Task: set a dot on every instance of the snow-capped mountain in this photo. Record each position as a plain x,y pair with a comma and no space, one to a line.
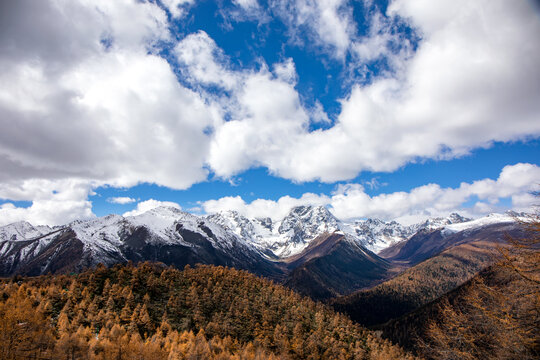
377,235
440,222
293,233
494,218
175,237
487,232
286,237
22,230
162,234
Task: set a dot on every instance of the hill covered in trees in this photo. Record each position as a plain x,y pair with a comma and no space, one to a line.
151,311
418,285
492,316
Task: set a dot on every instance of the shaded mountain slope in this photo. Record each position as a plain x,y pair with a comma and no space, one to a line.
425,243
333,265
494,315
418,285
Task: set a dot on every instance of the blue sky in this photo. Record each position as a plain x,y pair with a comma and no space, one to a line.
391,109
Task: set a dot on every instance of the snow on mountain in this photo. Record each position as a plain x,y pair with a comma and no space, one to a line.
116,238
377,235
22,230
161,234
439,222
494,218
292,234
286,237
254,230
108,234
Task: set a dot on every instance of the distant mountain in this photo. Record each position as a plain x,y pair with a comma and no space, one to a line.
292,234
334,264
163,234
22,230
431,239
377,235
286,237
440,222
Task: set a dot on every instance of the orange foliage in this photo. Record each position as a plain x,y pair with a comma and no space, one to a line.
154,312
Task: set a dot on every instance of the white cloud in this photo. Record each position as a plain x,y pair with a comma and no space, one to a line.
328,22
263,128
112,112
514,182
286,71
177,8
150,204
53,202
470,83
247,4
350,201
122,200
264,107
84,95
204,61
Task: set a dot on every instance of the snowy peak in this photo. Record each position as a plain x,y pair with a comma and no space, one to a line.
22,230
440,222
236,222
494,218
308,222
162,234
161,225
285,237
376,234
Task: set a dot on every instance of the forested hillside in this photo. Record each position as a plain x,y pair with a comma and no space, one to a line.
418,285
492,316
154,312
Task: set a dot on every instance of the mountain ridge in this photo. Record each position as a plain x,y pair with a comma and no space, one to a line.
313,244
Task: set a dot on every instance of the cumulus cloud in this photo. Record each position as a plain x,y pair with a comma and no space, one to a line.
52,202
469,83
122,200
204,62
264,107
327,22
109,109
350,201
150,204
177,8
84,95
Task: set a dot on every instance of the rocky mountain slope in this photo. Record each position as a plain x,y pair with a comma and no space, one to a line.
286,237
292,234
332,265
163,234
431,240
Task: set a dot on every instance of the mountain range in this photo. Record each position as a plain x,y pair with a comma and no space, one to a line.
310,250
